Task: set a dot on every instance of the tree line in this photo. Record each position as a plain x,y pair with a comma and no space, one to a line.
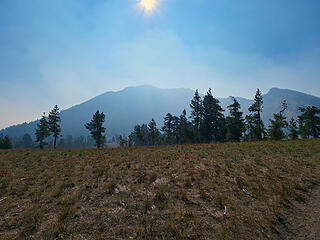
206,124
66,141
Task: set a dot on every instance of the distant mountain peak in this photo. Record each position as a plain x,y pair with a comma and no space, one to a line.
275,90
144,86
139,104
151,87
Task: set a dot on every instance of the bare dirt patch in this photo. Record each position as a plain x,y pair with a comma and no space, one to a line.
302,220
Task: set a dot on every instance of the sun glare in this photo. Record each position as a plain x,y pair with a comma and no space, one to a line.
148,5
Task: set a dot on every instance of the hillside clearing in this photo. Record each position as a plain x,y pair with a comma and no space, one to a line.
204,191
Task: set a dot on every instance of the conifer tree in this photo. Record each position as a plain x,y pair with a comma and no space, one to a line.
309,122
278,123
294,133
221,130
303,128
42,131
5,142
54,120
27,141
168,128
175,129
144,132
130,140
255,122
249,128
153,132
185,129
138,136
96,129
196,114
234,122
213,123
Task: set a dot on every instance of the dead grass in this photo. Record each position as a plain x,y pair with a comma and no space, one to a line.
209,191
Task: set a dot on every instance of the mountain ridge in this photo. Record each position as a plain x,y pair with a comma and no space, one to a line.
138,104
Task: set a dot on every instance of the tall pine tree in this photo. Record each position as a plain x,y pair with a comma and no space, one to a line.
168,128
196,114
96,129
213,123
175,129
254,118
309,122
234,122
138,136
54,126
185,129
42,131
278,123
153,133
293,128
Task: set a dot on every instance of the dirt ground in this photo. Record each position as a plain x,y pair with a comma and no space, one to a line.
224,191
302,221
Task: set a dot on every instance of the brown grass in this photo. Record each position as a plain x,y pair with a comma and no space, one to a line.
155,192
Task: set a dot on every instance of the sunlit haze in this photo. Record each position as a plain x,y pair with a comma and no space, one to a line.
148,5
66,52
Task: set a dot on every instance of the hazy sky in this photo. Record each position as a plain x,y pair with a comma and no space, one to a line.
67,51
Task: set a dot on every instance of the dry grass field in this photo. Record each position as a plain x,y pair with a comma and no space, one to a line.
207,191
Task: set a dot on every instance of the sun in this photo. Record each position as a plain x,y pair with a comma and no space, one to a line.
148,5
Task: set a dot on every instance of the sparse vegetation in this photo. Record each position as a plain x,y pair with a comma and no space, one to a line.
208,191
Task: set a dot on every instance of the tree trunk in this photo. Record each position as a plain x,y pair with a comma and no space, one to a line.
260,130
54,143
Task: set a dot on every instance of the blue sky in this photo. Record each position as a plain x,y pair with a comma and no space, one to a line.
67,51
